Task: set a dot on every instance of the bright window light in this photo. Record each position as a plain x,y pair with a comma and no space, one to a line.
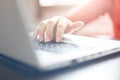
62,2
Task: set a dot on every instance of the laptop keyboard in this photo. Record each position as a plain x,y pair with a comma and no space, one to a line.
55,47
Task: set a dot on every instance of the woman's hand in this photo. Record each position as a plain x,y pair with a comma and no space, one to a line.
56,26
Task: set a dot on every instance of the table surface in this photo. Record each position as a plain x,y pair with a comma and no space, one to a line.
107,68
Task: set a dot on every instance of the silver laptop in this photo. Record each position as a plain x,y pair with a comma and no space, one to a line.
16,43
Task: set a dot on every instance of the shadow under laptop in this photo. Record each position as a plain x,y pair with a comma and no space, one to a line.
12,68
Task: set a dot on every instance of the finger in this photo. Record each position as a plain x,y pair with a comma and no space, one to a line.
51,25
35,33
49,30
61,26
76,26
42,31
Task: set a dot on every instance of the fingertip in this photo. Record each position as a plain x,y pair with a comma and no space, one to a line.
78,23
58,39
48,38
82,23
41,39
76,26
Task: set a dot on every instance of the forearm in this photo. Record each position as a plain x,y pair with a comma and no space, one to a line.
91,11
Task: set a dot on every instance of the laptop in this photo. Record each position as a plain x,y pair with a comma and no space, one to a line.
16,43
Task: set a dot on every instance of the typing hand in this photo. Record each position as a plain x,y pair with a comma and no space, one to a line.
56,26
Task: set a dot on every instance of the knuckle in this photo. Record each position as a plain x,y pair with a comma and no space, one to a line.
56,17
50,22
42,26
60,25
42,23
50,25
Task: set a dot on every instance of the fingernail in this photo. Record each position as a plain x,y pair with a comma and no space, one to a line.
41,40
47,39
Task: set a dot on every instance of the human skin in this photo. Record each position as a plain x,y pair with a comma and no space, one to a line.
72,20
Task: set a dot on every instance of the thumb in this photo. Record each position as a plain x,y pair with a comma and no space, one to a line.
76,26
